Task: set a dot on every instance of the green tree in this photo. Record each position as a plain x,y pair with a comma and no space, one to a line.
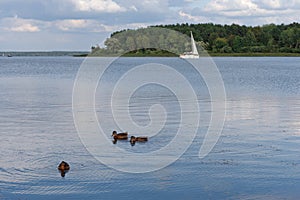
286,37
142,41
130,44
172,41
113,45
250,39
237,44
212,37
290,38
271,46
220,43
161,42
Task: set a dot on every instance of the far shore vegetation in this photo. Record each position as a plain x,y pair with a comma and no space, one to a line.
215,39
43,53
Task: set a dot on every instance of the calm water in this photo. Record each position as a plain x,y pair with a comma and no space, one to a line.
256,157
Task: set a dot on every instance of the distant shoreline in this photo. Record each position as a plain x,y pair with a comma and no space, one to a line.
42,53
84,54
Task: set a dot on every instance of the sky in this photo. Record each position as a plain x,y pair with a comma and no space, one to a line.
76,25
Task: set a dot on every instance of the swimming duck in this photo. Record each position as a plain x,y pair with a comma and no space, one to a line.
63,168
119,136
138,139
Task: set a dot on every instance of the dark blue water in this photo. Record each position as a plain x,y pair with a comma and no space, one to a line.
256,157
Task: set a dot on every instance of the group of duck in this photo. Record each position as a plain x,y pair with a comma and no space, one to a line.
64,167
124,136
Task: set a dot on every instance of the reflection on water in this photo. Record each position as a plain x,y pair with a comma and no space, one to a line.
270,112
257,156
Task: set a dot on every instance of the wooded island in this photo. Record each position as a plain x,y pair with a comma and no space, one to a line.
214,38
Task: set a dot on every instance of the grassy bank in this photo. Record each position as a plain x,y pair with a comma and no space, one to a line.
255,54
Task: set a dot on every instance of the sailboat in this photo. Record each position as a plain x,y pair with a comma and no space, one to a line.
194,53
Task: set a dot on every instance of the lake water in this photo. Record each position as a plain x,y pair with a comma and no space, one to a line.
256,157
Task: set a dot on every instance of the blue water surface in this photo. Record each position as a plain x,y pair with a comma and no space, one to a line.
256,157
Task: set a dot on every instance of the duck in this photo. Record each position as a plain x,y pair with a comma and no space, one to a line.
134,139
63,168
119,136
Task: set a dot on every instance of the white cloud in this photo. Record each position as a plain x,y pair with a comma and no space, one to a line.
274,4
249,12
197,19
147,6
16,24
230,5
25,28
107,6
255,7
278,4
67,25
133,8
81,25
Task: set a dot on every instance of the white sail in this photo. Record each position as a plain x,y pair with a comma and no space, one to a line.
194,53
194,48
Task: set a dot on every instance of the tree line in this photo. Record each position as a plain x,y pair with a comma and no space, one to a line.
214,38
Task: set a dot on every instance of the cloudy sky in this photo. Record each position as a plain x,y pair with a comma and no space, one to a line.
39,25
